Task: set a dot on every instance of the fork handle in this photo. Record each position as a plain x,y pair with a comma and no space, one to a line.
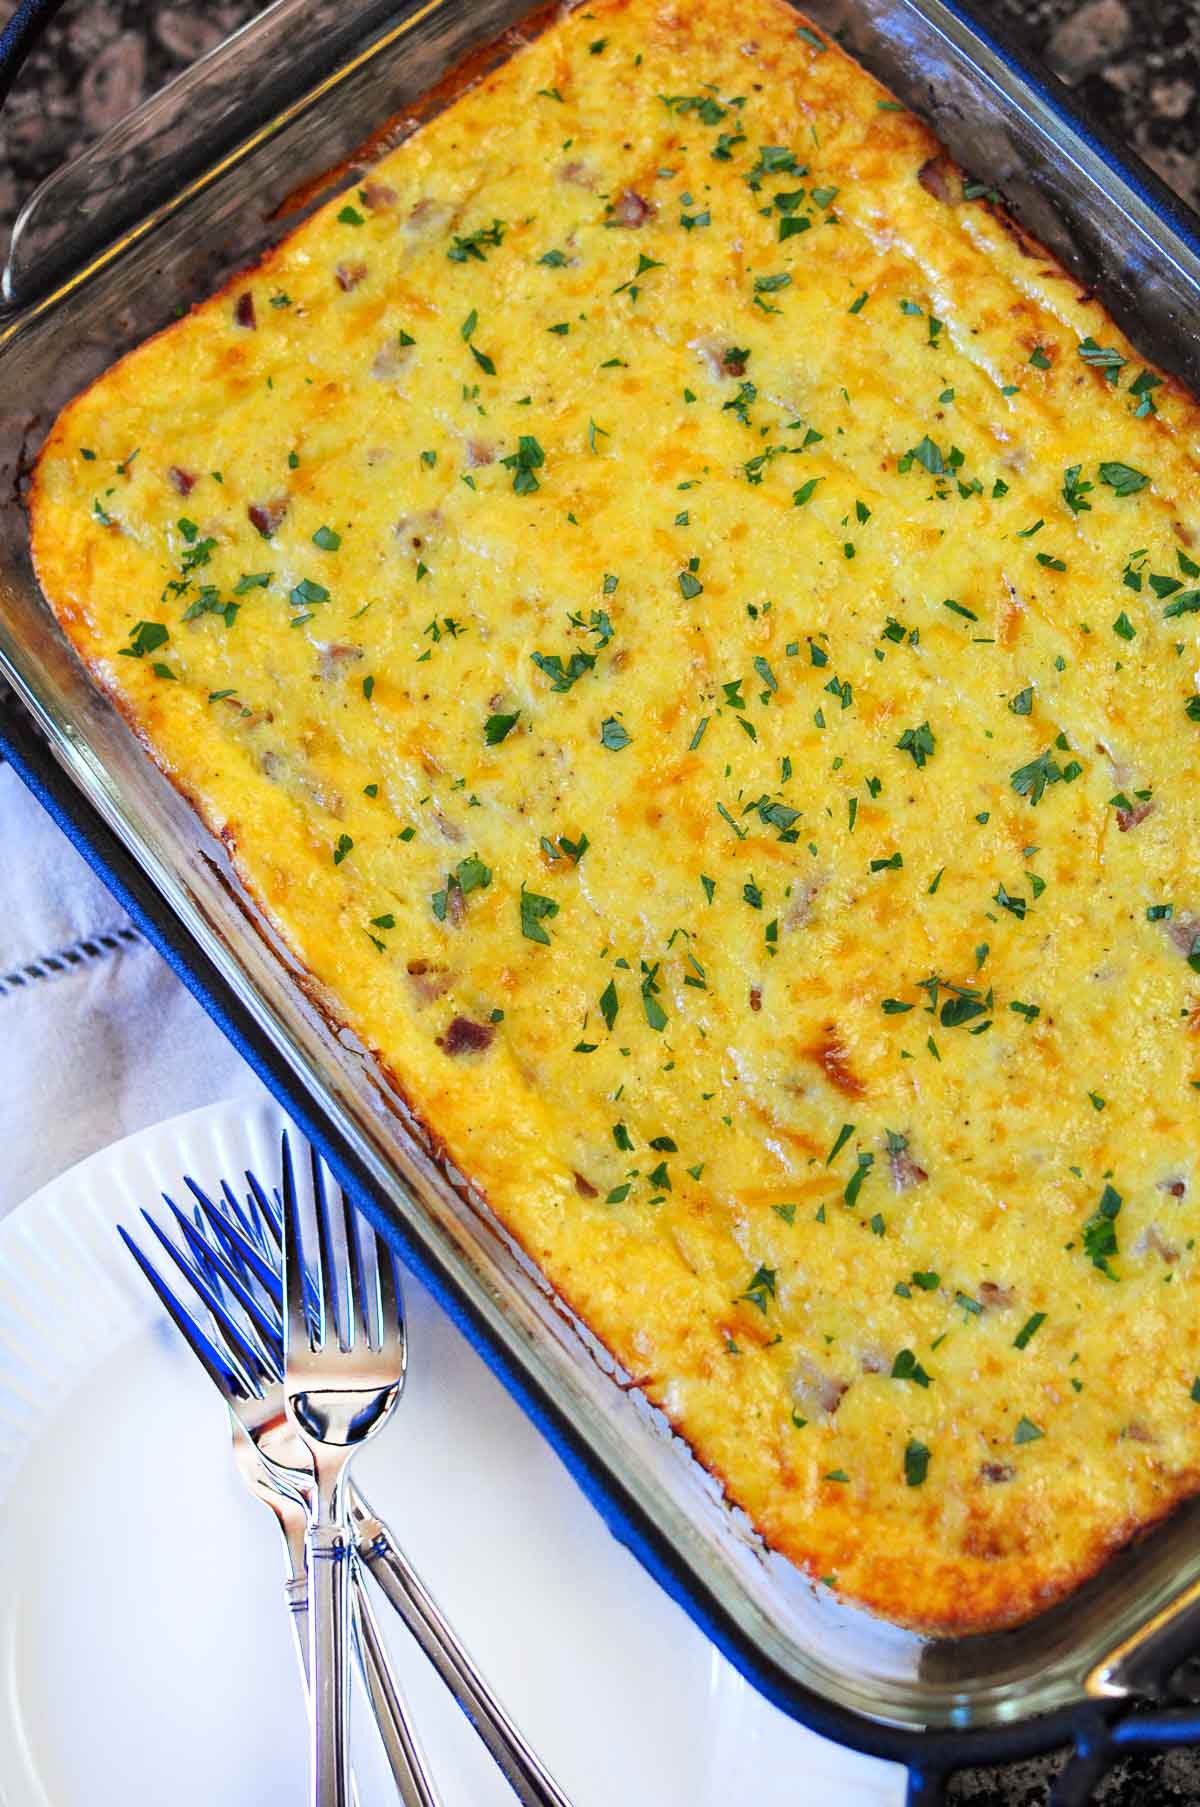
328,1550
522,1769
413,1784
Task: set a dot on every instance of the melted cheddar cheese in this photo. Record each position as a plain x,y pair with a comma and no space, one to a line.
686,622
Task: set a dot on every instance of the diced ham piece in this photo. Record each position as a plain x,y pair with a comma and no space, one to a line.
1153,1238
799,909
578,173
390,360
1176,1187
936,176
815,1391
629,209
1183,932
427,980
720,357
756,997
1129,818
377,195
467,1037
906,1172
243,310
479,454
585,1188
348,276
996,1472
266,516
427,215
181,480
334,656
995,1298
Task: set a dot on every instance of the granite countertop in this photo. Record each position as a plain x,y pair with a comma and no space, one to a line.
1136,63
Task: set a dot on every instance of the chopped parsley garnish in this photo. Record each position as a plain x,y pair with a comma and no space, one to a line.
907,1367
1123,478
760,1289
476,244
564,676
534,911
1100,1231
1101,358
655,1015
307,592
919,742
1075,490
644,264
854,1185
146,637
916,1463
528,458
1031,780
613,735
469,875
327,539
1029,1330
497,727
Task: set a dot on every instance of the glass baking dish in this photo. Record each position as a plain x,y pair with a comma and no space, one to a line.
194,186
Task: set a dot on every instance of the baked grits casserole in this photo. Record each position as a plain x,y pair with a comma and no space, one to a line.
685,621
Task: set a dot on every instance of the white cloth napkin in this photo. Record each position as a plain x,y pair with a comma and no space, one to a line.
97,1035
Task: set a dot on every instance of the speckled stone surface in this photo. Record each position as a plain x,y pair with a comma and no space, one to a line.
1135,63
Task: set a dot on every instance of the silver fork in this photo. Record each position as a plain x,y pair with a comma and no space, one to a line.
244,1359
252,1239
343,1365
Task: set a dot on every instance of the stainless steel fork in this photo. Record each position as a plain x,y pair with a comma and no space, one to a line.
243,1356
252,1240
343,1364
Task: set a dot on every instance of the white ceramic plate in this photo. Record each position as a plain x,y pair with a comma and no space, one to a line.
144,1649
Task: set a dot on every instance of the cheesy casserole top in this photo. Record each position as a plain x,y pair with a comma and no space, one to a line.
687,623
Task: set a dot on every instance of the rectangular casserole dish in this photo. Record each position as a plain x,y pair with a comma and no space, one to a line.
181,227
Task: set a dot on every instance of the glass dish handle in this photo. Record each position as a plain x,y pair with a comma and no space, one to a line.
1141,1667
149,160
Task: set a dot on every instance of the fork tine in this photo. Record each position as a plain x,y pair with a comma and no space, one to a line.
361,1295
268,1207
267,1243
253,1358
270,1210
240,1248
265,1322
334,1283
204,1207
391,1308
295,1320
213,1358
